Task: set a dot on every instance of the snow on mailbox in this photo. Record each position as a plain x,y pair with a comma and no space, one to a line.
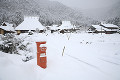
41,54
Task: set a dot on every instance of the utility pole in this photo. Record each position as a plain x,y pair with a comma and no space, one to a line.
63,50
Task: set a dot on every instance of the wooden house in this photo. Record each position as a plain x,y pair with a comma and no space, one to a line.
105,28
110,28
65,27
97,29
54,28
6,28
30,24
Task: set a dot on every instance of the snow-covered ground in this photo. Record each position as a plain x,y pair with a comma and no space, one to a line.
86,57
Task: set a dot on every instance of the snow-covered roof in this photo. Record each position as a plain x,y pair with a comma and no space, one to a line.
7,27
66,25
98,27
109,25
54,27
30,23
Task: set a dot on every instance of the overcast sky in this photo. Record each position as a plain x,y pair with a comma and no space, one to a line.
87,4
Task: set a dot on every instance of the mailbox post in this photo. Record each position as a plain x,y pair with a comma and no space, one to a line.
41,54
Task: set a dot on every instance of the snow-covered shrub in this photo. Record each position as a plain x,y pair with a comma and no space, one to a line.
1,45
23,46
28,56
9,43
25,49
1,42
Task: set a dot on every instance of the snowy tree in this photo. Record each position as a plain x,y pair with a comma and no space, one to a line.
115,21
9,43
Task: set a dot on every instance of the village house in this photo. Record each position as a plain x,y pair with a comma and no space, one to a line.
104,28
54,28
110,28
65,27
97,29
6,28
30,24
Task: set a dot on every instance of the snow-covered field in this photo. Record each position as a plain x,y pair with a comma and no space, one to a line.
86,57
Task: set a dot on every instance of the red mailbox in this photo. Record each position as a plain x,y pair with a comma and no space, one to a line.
41,54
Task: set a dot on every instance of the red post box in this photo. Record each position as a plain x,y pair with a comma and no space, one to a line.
41,54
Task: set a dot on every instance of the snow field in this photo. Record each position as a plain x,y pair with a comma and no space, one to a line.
86,57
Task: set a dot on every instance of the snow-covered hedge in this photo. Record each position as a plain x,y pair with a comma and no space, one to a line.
10,43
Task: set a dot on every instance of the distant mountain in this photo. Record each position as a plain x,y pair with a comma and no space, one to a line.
97,14
104,13
49,12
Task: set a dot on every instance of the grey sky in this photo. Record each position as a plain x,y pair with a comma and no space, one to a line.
87,4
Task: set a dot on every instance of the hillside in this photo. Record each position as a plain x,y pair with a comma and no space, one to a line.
49,11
